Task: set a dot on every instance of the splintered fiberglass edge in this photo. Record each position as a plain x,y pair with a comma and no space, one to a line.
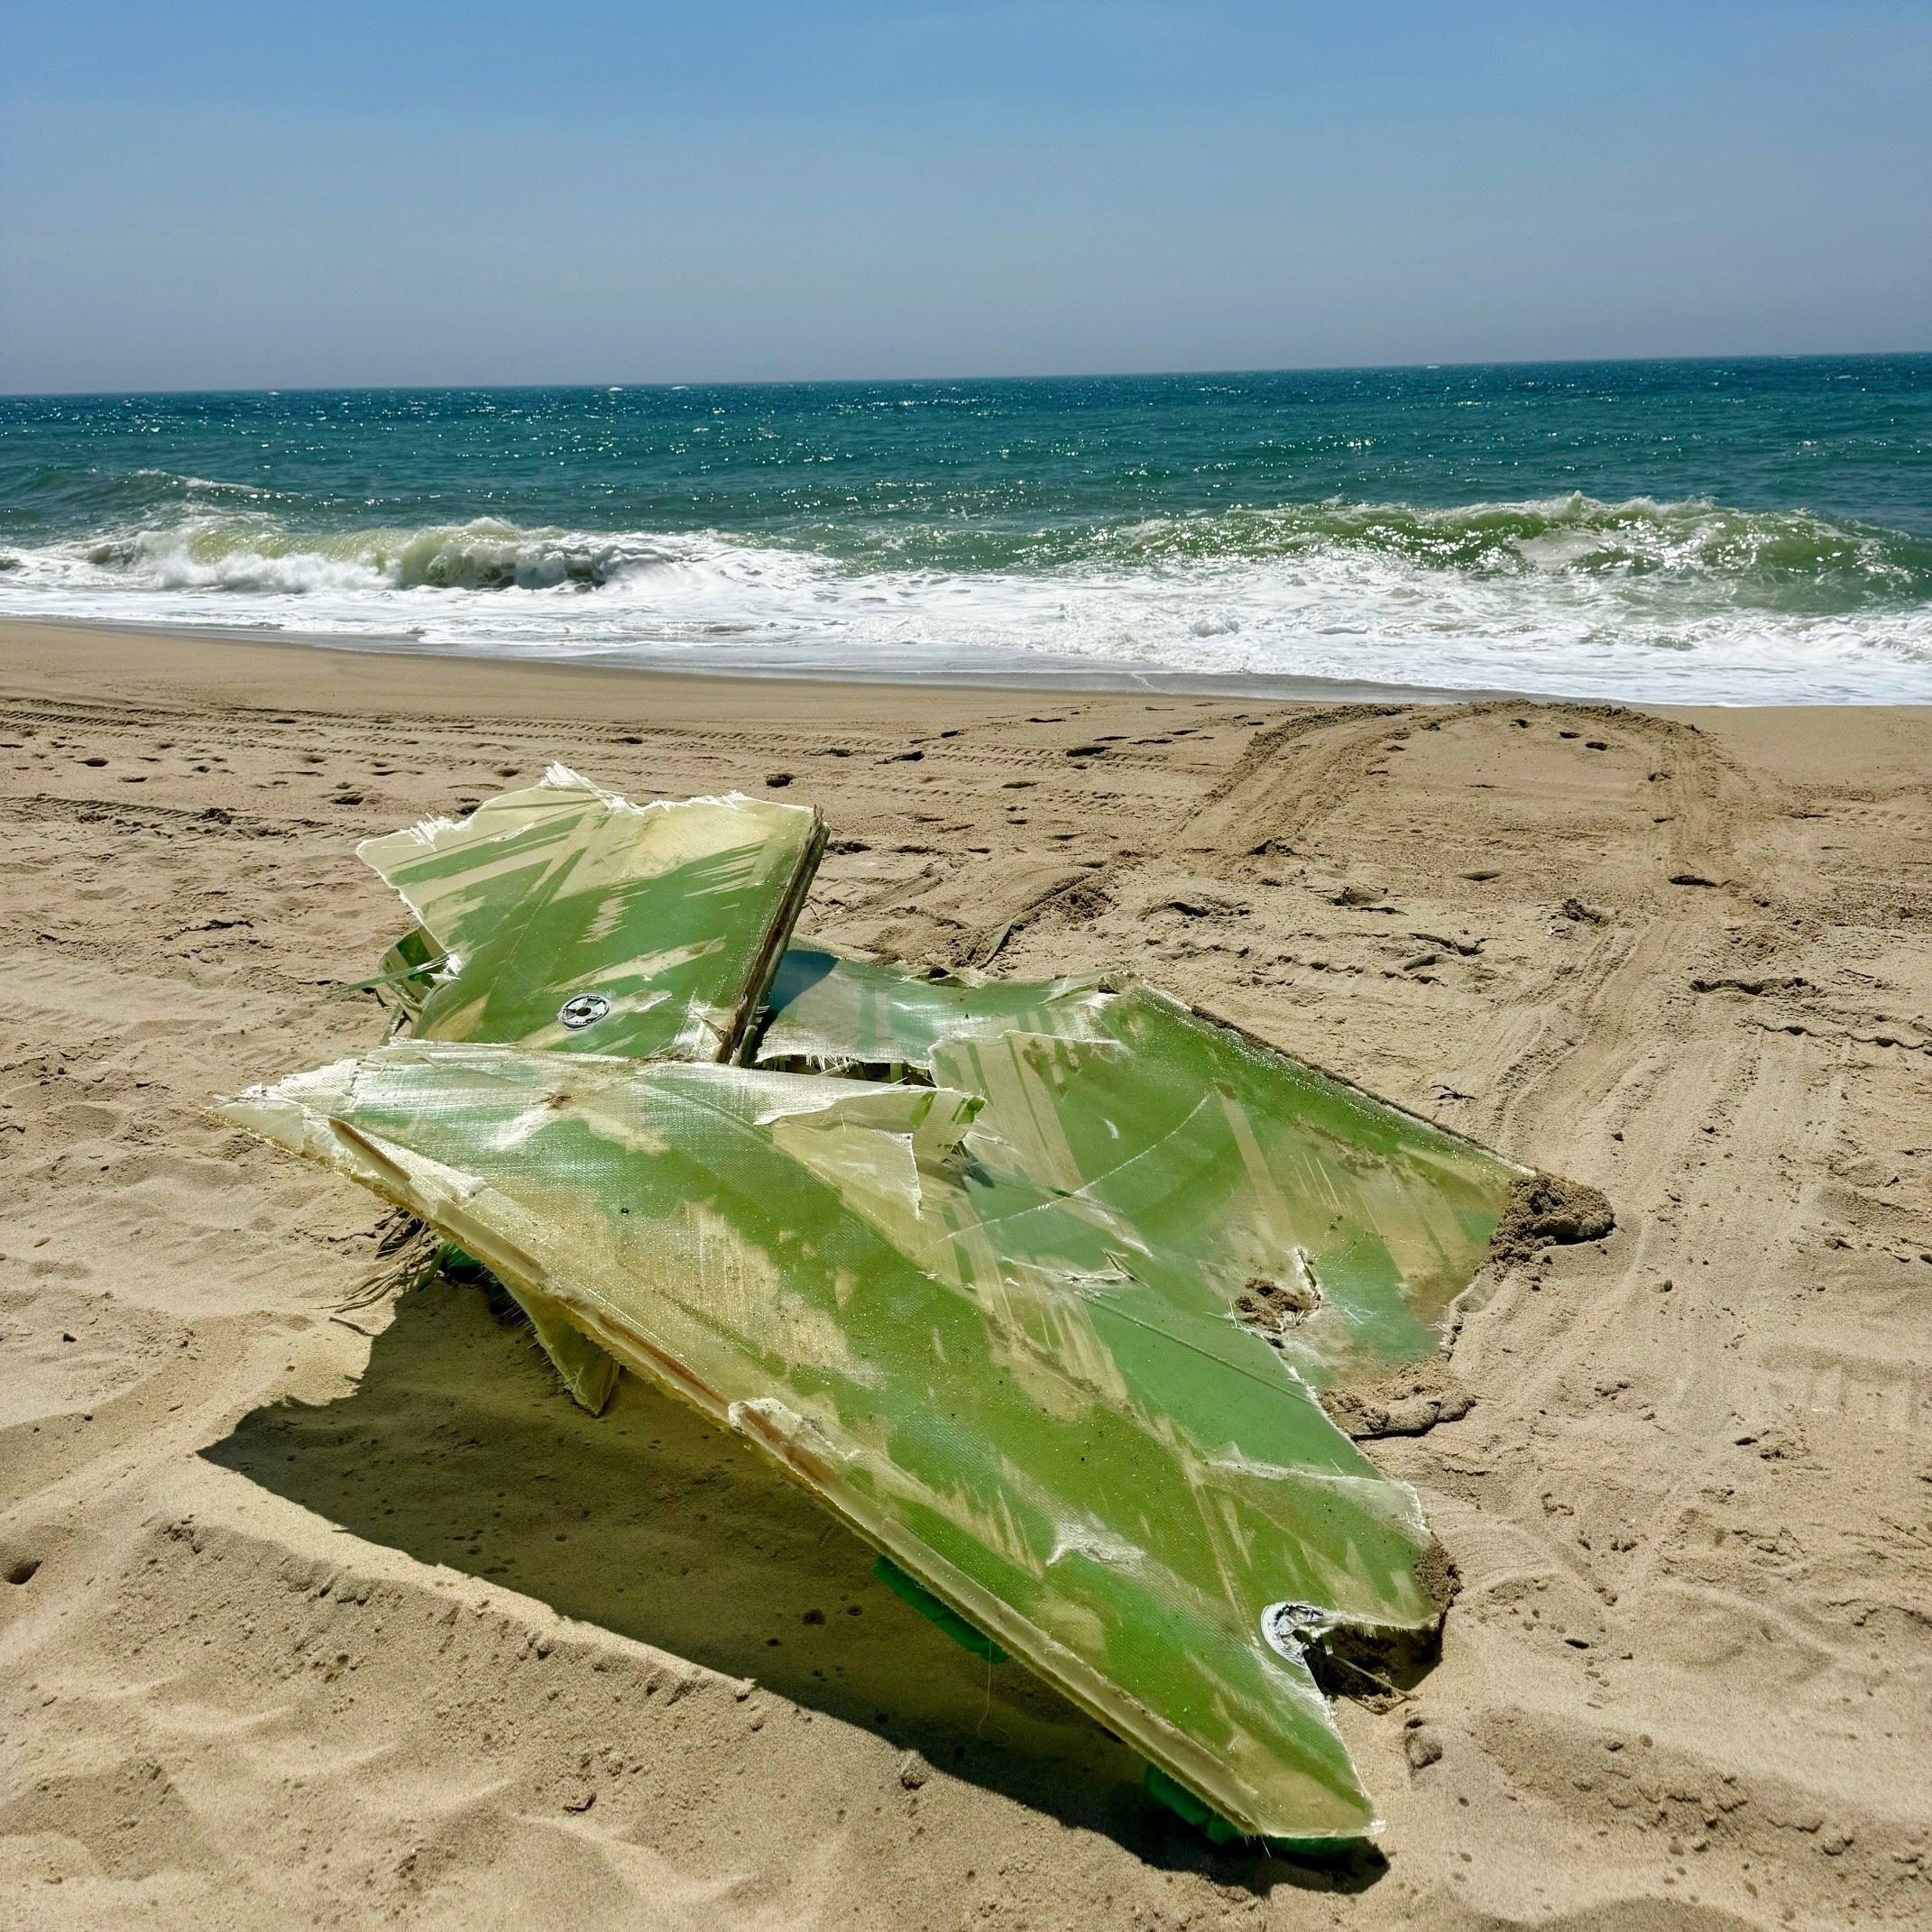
1034,1287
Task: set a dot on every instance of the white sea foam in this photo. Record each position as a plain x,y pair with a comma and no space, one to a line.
1637,601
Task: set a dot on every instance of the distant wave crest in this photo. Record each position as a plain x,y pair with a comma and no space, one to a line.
1785,556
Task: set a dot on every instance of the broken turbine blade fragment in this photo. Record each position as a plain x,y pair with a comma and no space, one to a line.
545,901
1338,1226
995,1383
563,916
1040,1308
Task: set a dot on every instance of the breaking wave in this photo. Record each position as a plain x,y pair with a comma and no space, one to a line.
256,553
1637,600
1752,552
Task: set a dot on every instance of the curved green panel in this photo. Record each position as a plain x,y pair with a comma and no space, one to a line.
1342,1225
668,917
989,1378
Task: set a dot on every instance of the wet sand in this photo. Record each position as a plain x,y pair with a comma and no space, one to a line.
347,1617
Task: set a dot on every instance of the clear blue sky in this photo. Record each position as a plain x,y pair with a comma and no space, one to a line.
281,193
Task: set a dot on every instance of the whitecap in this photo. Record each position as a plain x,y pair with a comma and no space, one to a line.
1640,600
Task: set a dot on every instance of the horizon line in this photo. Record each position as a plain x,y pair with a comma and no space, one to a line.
609,386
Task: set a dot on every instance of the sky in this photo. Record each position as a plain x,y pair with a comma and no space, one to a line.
282,193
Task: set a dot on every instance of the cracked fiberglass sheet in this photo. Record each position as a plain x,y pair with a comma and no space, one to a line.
997,1383
1339,1226
564,917
1047,1332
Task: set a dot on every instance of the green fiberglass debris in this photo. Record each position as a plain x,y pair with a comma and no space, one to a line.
556,909
1335,1224
1034,1287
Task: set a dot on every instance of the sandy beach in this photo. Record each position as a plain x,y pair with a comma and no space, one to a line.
320,1616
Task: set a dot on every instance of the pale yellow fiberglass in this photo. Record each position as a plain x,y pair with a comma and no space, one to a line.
568,918
1339,1226
1043,1317
997,1383
564,917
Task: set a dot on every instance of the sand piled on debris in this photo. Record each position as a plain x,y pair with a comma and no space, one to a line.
354,1619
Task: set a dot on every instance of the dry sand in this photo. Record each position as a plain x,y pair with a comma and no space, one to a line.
346,1620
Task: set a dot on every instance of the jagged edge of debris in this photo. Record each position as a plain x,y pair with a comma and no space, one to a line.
407,1251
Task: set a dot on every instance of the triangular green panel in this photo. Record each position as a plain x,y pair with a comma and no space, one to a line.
1337,1226
995,1382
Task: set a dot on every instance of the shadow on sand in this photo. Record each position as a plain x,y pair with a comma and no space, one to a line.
459,1447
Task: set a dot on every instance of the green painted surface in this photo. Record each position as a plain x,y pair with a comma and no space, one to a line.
831,1014
673,914
942,1616
1346,1226
989,1379
407,972
1040,1309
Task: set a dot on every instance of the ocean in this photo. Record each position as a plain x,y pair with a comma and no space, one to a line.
1756,531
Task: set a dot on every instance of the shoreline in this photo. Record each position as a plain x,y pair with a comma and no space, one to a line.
176,669
221,656
1052,675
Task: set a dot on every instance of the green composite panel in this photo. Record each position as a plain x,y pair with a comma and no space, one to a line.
663,922
1337,1226
1034,1284
996,1380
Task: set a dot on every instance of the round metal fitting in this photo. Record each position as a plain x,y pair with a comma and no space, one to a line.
582,1009
1288,1628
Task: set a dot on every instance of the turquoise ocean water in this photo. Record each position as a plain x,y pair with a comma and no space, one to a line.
1750,531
